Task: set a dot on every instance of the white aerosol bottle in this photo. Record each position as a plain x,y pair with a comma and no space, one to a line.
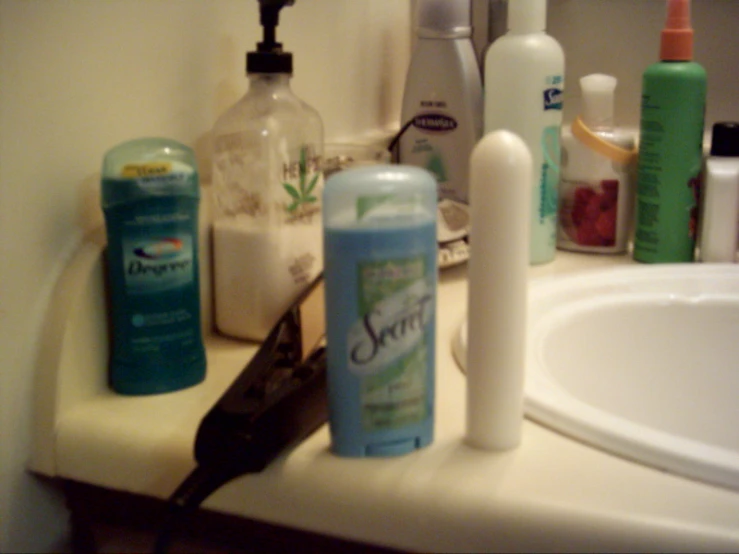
524,82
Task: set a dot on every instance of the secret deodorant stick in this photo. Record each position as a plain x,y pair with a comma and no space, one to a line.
381,274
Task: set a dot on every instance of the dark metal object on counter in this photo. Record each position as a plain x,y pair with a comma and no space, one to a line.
278,400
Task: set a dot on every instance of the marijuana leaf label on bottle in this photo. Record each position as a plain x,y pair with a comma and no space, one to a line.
304,196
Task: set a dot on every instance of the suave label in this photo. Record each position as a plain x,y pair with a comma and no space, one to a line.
550,149
552,93
387,346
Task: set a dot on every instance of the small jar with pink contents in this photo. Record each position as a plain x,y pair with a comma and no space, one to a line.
597,184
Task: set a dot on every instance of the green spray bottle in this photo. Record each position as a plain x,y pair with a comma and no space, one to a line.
670,146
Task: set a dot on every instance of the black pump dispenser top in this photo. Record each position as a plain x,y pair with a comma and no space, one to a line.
269,57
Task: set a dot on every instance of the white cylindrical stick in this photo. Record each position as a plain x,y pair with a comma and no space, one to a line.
500,198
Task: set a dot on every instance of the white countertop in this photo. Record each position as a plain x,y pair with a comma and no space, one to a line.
551,493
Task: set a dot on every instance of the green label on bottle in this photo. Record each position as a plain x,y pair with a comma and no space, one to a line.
303,183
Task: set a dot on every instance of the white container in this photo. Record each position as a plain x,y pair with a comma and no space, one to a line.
719,221
442,108
598,177
524,81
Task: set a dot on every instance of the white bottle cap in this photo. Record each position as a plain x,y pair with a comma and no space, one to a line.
527,16
444,18
597,100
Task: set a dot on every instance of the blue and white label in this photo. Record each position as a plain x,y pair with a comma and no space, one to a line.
158,264
552,99
432,122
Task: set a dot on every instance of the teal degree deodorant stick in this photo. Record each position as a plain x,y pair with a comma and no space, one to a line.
150,197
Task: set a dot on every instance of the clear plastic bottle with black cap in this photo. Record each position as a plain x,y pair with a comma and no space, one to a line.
267,183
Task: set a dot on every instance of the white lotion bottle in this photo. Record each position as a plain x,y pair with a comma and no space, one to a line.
719,221
500,170
442,108
524,82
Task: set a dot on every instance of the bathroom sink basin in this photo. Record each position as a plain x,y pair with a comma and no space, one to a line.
641,361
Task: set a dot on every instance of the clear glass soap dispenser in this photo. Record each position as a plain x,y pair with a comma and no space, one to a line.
267,184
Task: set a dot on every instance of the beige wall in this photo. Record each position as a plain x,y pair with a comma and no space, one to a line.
621,38
78,76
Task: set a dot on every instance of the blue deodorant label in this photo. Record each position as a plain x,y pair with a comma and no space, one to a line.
381,278
151,215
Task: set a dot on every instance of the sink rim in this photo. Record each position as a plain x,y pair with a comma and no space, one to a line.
552,405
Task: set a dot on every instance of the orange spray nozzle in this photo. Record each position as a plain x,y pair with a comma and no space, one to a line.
677,35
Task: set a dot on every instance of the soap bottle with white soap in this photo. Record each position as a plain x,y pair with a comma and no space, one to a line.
267,182
524,83
597,186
